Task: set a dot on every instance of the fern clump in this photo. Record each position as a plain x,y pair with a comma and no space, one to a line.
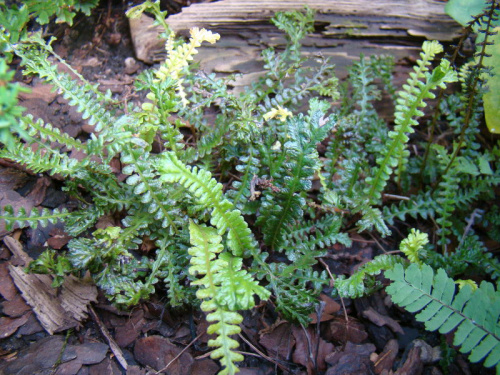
267,182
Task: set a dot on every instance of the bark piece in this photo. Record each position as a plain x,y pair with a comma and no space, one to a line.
382,320
7,287
344,30
413,364
40,356
353,360
55,311
386,359
31,327
10,325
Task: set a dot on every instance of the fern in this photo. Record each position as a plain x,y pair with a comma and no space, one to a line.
209,193
408,103
362,281
442,308
226,288
35,217
281,210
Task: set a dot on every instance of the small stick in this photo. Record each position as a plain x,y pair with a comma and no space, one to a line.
181,353
112,343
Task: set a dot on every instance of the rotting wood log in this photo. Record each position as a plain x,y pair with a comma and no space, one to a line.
344,29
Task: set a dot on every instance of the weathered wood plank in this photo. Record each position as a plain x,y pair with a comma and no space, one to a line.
343,30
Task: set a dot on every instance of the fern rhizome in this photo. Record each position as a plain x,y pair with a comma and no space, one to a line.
233,211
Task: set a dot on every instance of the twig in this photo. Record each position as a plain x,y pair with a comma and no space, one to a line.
397,197
260,354
181,353
112,343
332,283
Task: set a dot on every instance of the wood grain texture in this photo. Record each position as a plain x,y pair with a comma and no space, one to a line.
343,30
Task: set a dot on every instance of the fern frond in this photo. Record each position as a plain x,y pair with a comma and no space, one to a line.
46,132
33,218
241,193
422,204
362,281
411,98
413,244
474,314
326,233
209,193
281,210
43,159
226,288
148,187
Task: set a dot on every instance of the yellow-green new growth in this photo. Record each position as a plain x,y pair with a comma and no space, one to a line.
224,288
412,245
178,57
281,113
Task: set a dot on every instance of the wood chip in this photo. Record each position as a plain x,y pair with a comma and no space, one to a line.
55,311
382,320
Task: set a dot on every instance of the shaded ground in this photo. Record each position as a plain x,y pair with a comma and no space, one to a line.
364,336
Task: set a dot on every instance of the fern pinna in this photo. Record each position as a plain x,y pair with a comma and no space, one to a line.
473,314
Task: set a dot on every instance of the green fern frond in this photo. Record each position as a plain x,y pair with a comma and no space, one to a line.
46,132
326,233
300,161
362,281
148,187
209,193
411,98
474,315
422,204
241,193
42,160
226,288
33,218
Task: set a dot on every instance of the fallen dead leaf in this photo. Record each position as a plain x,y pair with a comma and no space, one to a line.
59,238
279,342
157,352
7,287
16,307
341,331
41,91
306,342
204,367
128,333
331,307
